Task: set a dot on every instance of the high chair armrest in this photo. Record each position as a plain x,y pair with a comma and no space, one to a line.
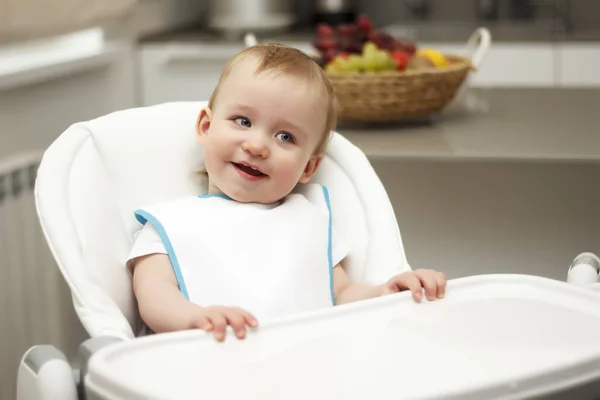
45,374
86,351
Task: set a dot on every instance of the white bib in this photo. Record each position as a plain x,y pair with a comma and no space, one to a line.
270,259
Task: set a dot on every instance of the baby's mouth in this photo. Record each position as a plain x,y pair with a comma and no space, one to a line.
249,170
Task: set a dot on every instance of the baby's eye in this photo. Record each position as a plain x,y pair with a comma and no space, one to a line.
285,137
242,121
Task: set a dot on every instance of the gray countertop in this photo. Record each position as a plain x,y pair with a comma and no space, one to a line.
500,124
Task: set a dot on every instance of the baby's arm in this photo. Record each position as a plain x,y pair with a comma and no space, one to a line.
163,307
345,291
161,304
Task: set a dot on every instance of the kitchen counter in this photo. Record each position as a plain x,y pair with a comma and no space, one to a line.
500,124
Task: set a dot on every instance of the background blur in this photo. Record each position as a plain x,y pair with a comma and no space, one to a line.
525,200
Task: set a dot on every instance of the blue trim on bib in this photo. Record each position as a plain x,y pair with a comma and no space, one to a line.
208,195
143,216
329,255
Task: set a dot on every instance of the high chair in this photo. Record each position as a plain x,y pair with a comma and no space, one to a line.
93,177
97,173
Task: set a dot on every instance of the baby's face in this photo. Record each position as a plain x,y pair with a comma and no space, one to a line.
262,134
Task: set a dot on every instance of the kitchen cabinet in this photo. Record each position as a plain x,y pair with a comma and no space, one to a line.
510,64
579,64
183,71
517,65
567,64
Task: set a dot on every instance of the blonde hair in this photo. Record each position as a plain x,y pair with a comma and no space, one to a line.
291,61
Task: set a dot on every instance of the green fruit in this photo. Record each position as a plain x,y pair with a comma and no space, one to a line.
355,62
348,63
386,61
339,61
331,68
370,64
381,59
369,49
390,65
340,64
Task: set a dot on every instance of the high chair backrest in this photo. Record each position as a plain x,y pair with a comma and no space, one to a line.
93,177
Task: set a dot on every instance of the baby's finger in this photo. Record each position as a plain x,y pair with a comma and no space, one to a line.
429,283
250,319
219,325
238,323
411,282
441,279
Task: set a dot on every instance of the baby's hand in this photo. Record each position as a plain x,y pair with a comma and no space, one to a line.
433,282
216,318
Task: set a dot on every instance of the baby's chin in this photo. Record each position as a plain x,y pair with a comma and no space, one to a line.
254,198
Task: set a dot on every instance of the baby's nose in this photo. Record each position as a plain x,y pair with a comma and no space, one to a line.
256,147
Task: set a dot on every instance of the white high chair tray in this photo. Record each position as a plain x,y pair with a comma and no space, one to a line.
493,336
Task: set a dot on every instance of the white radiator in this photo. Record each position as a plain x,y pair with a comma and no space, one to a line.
34,300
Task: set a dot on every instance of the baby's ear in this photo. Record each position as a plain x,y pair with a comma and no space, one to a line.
311,168
203,124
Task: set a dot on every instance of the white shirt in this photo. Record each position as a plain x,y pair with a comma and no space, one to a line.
270,259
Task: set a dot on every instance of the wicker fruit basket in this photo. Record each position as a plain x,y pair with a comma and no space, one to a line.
399,95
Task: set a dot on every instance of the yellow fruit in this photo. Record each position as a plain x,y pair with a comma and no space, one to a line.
436,57
378,60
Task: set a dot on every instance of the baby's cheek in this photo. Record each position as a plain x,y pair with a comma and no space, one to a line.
210,163
291,174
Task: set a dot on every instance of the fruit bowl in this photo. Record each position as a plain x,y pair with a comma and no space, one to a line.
378,78
388,96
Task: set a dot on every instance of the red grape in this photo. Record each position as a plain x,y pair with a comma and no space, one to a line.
347,30
325,43
364,23
325,30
